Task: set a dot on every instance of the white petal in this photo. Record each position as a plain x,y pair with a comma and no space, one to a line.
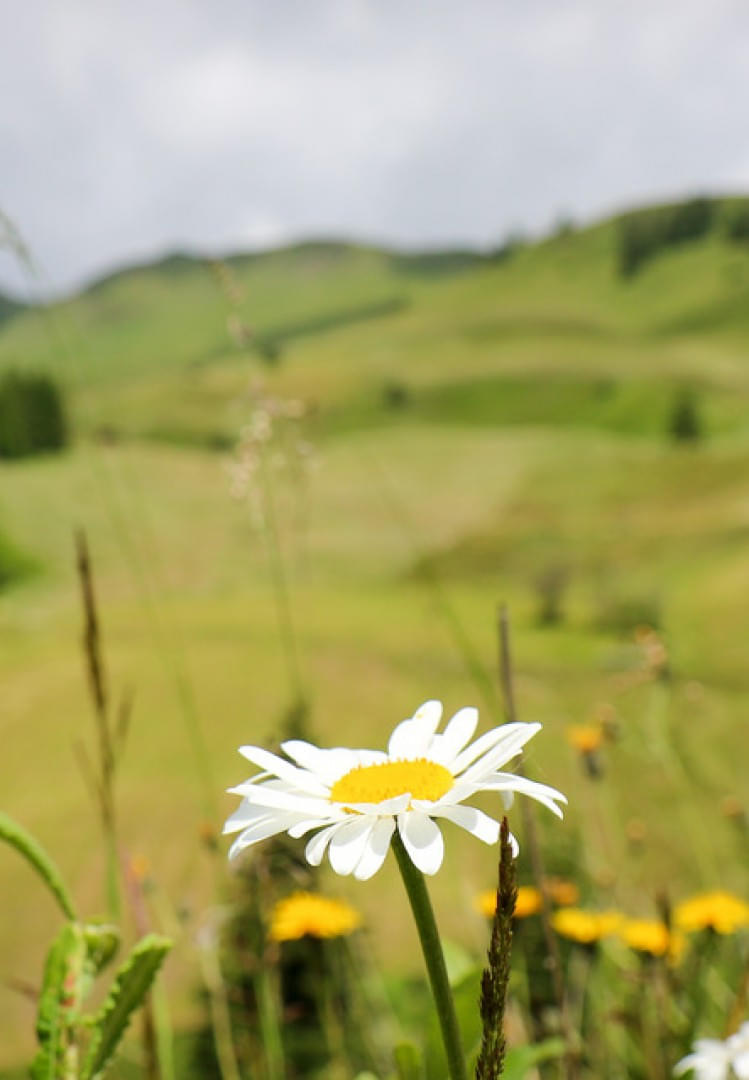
328,765
300,778
374,853
411,738
370,757
315,849
710,1060
265,795
303,827
445,747
348,844
457,793
387,806
254,780
244,815
249,787
484,743
422,840
542,793
514,845
472,820
513,739
262,830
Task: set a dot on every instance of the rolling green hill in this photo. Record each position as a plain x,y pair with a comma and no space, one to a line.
484,427
452,336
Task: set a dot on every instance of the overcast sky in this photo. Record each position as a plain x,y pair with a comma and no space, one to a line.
133,127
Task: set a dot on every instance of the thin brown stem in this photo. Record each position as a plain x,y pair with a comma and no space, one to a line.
534,848
96,678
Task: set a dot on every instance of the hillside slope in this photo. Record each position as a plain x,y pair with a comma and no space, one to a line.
162,350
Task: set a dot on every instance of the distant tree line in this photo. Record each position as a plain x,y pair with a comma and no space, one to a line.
648,232
32,416
737,222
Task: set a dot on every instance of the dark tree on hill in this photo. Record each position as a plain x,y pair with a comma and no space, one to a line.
32,415
646,233
684,423
737,223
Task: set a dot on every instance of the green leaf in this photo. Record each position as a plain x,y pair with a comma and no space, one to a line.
26,845
58,1002
131,984
408,1062
521,1059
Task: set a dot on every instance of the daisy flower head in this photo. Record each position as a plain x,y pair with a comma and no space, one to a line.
710,1060
352,801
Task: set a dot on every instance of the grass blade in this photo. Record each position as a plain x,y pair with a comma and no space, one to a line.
26,845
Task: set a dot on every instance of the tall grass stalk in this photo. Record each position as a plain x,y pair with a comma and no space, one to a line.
496,977
506,679
218,1004
281,591
104,777
663,741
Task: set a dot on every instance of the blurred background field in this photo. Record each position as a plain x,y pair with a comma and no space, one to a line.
505,427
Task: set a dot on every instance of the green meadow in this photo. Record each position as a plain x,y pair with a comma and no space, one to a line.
484,429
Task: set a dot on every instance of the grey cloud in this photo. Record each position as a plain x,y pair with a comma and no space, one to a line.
128,129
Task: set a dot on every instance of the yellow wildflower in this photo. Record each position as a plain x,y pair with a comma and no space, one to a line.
651,936
720,911
585,927
528,902
586,738
306,913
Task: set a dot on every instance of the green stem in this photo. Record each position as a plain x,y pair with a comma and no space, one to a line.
431,946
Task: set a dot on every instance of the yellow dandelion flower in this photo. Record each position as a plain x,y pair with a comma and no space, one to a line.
585,927
528,902
720,911
309,914
650,936
561,892
586,738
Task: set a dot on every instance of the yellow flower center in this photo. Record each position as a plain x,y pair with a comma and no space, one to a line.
375,783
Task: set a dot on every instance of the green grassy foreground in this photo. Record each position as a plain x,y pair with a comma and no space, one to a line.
529,434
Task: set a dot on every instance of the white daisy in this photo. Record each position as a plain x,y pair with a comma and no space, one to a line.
710,1059
738,1048
353,799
